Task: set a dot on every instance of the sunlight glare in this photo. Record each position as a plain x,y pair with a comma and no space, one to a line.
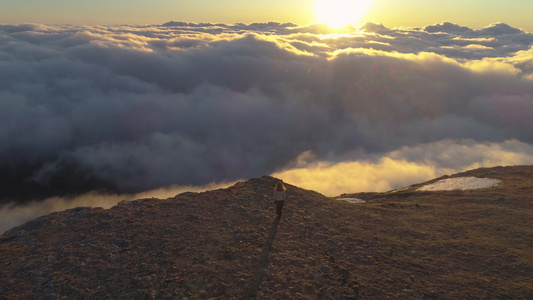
339,13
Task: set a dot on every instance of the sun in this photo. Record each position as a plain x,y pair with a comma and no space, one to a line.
339,13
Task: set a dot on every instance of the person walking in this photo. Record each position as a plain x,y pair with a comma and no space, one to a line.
279,198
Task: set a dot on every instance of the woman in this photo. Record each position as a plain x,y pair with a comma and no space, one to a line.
279,198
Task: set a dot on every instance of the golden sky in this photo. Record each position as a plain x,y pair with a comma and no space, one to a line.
412,13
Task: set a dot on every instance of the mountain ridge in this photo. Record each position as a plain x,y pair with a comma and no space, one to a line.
228,244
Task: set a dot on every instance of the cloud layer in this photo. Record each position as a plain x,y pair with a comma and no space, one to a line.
132,108
12,215
402,167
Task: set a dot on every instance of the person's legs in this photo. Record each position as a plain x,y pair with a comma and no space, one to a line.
279,208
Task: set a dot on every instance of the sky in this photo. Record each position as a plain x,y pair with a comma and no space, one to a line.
412,13
88,109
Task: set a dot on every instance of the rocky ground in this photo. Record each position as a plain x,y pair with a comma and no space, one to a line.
228,244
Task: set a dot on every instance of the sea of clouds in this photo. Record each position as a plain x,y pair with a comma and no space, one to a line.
127,109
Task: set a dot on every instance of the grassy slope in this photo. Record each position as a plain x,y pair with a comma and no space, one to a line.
475,244
227,244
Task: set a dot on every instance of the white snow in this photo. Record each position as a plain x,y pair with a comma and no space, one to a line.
460,183
352,200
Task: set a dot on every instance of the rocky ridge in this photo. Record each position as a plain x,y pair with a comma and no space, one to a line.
227,244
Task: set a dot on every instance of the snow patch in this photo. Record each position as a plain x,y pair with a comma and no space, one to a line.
352,200
461,183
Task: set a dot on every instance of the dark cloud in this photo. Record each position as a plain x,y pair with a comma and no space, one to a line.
133,108
499,29
448,27
18,28
373,27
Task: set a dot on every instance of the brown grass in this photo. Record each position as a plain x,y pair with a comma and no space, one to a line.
227,244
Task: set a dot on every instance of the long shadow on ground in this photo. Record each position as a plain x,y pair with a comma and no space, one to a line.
259,273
